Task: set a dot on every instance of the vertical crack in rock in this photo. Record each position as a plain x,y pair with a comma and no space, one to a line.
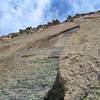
56,92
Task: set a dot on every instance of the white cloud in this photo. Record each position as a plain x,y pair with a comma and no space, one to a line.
18,14
81,6
38,14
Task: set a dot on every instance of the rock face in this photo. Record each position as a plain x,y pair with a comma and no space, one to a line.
55,61
80,62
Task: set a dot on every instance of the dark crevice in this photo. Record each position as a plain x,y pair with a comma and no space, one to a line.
57,92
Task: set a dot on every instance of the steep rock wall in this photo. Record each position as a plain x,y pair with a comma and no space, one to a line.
80,63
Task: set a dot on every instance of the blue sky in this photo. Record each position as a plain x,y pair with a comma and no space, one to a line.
19,14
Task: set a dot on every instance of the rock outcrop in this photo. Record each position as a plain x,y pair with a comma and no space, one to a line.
54,61
80,62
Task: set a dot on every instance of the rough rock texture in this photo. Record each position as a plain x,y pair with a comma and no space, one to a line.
29,63
31,59
80,62
56,92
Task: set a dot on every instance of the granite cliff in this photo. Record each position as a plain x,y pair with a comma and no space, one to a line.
55,61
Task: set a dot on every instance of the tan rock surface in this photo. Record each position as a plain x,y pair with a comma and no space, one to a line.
80,62
29,61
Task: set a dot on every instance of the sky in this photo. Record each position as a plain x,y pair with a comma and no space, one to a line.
19,14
